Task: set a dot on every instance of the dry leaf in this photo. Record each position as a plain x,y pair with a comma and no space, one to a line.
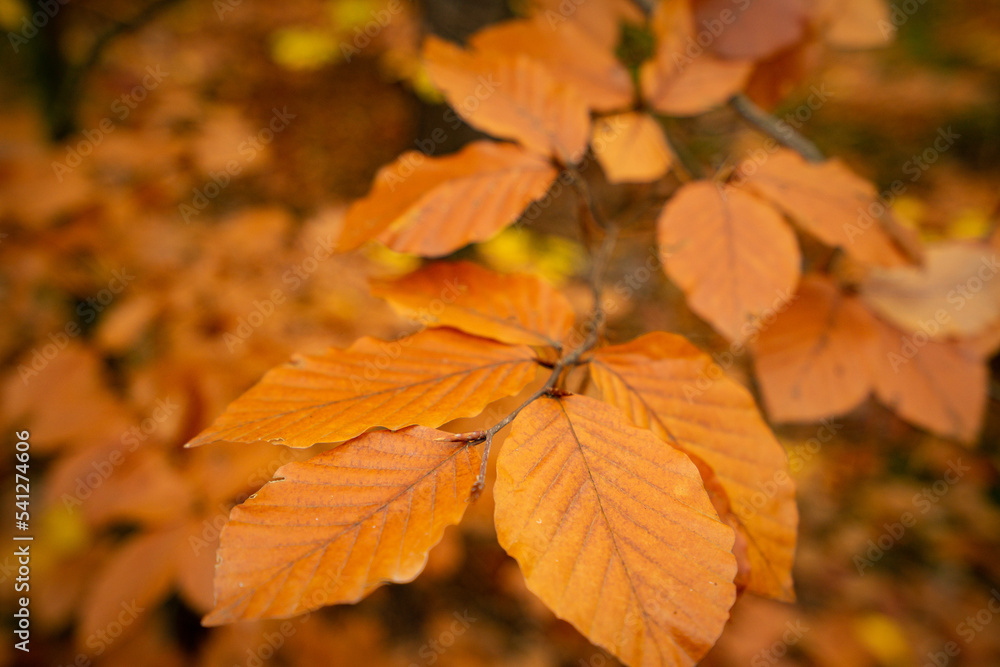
512,97
812,361
732,255
428,378
630,147
664,383
830,202
751,29
434,206
332,529
513,308
566,50
614,531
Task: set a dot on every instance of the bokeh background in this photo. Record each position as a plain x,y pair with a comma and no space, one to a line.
142,287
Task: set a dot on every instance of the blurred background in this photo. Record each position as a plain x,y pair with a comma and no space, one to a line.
172,175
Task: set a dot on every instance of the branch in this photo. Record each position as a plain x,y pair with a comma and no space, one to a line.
66,99
774,128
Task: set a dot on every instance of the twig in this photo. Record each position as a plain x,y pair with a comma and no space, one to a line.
598,268
65,101
774,128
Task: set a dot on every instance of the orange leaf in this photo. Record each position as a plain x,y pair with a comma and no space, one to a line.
428,378
614,531
682,82
812,360
939,386
856,24
513,97
666,384
516,309
631,148
954,294
332,529
568,52
751,29
434,206
828,201
732,255
601,21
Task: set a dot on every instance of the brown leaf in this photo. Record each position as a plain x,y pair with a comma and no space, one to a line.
566,50
666,384
428,378
434,206
332,529
812,360
828,201
955,293
680,81
512,308
939,386
751,29
614,532
631,148
512,97
732,255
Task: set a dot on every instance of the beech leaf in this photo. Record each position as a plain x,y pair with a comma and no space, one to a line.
332,529
732,255
614,531
428,378
511,97
434,206
514,308
667,385
631,148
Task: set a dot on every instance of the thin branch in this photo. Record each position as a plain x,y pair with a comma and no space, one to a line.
67,97
774,128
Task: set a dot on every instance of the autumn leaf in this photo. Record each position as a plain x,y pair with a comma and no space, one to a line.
679,82
332,529
732,255
601,21
665,384
434,206
955,293
428,378
830,202
569,52
512,308
940,386
812,360
512,97
630,147
855,24
614,531
751,30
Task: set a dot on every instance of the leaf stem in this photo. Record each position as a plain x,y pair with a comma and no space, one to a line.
774,128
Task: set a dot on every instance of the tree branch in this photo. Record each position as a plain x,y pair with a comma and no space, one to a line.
774,128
